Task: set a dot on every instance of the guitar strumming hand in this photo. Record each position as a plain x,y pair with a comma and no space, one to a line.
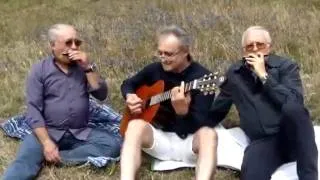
180,100
134,103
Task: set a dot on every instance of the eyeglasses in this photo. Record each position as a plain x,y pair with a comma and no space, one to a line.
258,45
70,42
167,53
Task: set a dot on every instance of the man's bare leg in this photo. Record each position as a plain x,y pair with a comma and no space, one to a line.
204,144
138,135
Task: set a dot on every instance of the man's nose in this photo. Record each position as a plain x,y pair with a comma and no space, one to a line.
255,47
73,45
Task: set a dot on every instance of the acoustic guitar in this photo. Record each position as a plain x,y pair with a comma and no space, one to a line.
153,95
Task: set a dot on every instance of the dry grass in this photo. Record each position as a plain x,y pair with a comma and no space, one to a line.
119,36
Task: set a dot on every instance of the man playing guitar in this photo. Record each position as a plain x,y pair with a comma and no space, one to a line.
181,129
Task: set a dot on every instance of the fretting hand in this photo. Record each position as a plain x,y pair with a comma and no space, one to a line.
179,100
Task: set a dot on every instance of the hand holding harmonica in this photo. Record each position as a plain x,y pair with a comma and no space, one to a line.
78,57
256,62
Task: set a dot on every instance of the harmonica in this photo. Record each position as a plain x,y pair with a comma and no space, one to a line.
248,65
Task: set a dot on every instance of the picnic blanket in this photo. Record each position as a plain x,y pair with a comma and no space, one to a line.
231,146
232,142
101,116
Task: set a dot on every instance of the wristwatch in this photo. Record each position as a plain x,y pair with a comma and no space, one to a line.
92,68
264,78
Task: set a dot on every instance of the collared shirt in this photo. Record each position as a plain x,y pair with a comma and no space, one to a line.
59,101
259,105
166,118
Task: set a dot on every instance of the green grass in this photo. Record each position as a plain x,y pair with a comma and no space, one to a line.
119,36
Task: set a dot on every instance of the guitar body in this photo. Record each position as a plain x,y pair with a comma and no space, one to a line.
148,113
206,84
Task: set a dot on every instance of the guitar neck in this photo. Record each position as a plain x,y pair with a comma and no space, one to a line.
167,94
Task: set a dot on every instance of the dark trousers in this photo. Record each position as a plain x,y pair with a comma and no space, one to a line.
294,142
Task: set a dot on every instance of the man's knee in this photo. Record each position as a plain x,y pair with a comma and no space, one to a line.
30,148
292,109
296,115
205,136
136,127
139,131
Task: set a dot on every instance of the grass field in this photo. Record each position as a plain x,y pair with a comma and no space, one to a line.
119,36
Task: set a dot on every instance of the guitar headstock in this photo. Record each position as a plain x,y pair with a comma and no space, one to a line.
209,83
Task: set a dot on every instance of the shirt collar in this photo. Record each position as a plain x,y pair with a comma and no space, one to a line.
70,70
273,61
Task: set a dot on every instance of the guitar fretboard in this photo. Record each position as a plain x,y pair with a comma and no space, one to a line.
167,94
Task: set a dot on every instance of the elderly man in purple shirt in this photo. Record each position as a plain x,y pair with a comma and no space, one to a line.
58,89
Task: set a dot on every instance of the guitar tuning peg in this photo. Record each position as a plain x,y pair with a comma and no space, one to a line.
205,93
211,92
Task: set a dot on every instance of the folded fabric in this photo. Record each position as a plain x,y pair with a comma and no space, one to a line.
101,116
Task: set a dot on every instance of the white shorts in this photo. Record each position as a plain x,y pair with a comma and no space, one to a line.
169,146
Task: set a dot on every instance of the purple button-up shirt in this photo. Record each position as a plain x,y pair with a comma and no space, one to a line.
59,101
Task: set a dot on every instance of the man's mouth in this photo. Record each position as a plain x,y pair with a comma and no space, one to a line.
166,62
65,53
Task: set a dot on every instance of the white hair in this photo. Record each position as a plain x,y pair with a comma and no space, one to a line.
256,28
54,31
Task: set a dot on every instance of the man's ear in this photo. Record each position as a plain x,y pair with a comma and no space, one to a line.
51,44
50,47
186,52
270,48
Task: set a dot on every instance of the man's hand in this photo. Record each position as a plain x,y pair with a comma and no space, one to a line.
257,63
134,103
180,102
79,57
51,152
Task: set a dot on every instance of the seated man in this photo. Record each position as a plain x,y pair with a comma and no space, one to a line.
267,92
57,93
180,129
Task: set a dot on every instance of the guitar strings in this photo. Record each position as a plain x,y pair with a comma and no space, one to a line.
167,95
